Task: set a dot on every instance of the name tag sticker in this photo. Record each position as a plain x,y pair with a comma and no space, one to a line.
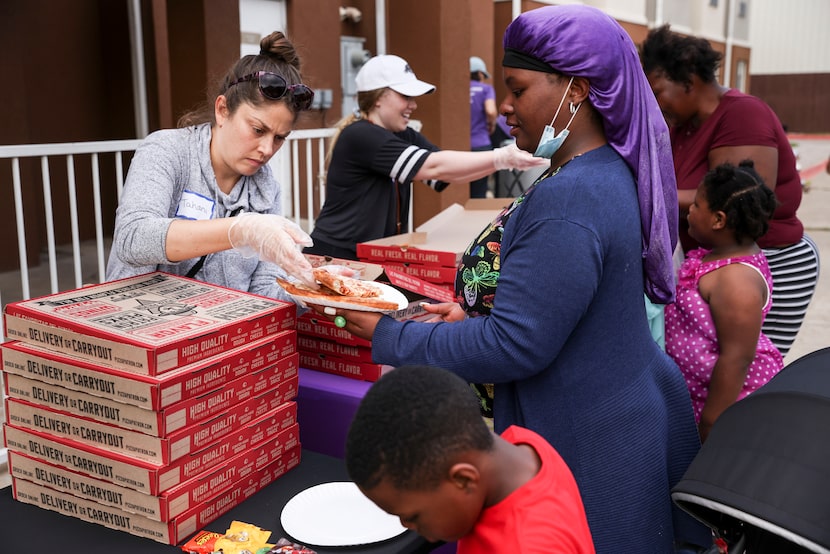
195,206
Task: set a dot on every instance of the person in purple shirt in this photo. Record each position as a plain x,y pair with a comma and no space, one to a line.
482,117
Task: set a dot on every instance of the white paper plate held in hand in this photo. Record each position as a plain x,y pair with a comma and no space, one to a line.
389,300
337,514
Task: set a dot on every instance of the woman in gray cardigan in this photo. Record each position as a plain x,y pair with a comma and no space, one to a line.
185,185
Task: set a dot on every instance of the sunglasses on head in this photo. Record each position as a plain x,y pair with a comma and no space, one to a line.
273,86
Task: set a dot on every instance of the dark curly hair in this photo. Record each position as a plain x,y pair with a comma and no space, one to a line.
410,426
678,56
740,193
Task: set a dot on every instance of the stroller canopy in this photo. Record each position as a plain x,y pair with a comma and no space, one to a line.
766,462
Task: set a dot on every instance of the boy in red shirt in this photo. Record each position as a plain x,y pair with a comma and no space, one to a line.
419,449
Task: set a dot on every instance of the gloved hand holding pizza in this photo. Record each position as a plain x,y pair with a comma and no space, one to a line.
275,239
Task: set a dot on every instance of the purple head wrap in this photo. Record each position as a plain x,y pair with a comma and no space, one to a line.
585,42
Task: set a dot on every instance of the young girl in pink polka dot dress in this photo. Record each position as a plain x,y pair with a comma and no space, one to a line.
713,330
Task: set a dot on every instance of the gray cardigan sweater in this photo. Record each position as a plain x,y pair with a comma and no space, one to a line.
171,177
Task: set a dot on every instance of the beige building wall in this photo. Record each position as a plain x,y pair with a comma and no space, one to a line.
790,37
628,11
790,64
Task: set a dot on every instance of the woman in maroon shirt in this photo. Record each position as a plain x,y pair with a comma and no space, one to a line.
711,124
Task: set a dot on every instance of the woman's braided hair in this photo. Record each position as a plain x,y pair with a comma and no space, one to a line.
741,194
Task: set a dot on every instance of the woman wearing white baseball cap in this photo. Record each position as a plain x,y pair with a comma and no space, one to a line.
391,72
374,157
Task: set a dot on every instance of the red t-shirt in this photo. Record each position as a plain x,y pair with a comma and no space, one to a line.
741,120
543,515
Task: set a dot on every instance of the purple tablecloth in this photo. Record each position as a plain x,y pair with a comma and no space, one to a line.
326,404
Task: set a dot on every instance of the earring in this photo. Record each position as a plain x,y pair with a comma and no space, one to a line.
572,107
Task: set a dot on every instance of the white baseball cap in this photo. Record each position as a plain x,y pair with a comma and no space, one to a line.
391,72
477,64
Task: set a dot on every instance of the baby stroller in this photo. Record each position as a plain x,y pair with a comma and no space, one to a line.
761,481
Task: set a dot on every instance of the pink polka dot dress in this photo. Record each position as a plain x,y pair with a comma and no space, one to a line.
691,339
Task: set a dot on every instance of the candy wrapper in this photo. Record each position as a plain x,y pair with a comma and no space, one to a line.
202,542
241,538
284,546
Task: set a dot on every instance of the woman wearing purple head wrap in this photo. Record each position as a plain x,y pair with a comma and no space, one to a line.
558,279
565,40
626,457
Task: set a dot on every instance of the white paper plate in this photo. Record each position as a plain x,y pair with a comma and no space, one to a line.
388,293
337,514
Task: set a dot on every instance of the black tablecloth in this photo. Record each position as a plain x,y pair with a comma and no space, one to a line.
25,528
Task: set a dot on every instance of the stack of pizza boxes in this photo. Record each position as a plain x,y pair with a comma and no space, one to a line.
325,347
152,404
330,349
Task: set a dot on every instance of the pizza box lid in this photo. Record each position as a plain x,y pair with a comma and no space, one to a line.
147,324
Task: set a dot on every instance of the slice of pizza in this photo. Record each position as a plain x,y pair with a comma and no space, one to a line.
346,286
326,294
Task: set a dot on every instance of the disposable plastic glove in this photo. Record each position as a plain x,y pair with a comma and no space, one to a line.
343,270
274,239
511,157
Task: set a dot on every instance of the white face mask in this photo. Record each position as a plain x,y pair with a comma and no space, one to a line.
550,141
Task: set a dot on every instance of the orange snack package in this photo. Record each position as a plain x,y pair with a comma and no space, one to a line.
202,542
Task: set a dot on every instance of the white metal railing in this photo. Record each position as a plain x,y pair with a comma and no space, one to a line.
286,166
307,144
67,151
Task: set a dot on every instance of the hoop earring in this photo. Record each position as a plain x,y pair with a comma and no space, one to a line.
572,107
